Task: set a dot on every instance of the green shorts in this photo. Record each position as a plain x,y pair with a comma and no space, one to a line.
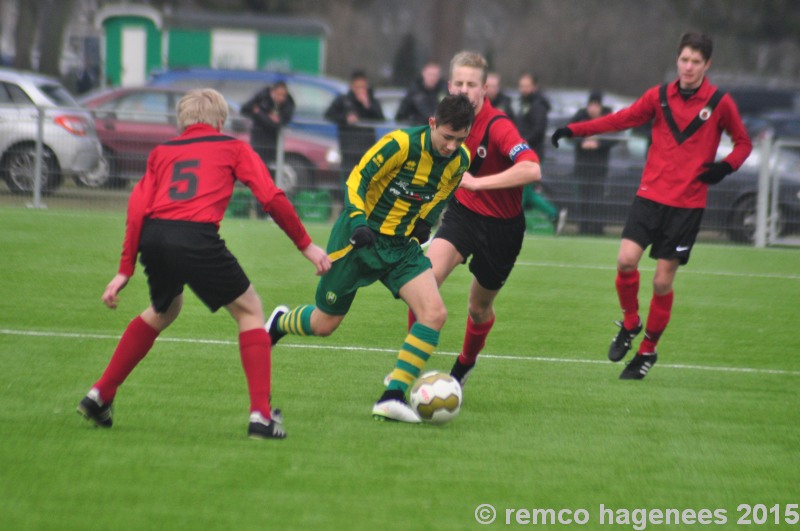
392,260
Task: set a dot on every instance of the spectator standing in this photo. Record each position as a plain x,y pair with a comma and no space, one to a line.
591,167
533,110
499,99
532,124
270,109
347,111
419,102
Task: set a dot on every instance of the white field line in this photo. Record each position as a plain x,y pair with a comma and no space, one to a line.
340,348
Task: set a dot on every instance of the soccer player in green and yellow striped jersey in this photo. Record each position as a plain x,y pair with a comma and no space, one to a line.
393,198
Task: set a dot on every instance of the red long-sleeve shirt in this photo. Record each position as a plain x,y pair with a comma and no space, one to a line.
191,178
506,148
670,173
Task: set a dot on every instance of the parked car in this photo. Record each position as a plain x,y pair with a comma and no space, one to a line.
753,100
132,121
70,147
784,125
312,94
731,204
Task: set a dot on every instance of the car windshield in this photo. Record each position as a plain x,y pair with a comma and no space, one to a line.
58,95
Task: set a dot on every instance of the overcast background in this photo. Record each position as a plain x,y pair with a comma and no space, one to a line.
622,46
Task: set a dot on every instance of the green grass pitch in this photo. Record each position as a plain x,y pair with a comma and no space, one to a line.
546,424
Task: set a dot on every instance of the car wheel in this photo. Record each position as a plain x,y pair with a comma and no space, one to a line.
112,179
97,177
296,176
743,220
19,166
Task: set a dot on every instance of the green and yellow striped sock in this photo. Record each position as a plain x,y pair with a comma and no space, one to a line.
297,322
416,350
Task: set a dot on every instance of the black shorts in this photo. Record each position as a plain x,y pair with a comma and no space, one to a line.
670,230
177,253
493,243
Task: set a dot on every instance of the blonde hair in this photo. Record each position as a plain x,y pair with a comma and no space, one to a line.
201,106
472,60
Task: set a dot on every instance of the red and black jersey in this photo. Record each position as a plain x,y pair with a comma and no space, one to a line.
670,173
191,178
506,147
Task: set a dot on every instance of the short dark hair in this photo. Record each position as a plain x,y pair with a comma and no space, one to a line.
697,41
455,111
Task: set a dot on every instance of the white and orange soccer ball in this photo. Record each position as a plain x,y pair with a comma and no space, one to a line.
436,397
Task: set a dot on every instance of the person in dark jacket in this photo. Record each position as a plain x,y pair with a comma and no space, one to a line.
533,110
270,109
591,167
532,124
423,95
347,111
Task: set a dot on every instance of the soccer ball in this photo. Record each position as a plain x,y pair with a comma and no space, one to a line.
436,397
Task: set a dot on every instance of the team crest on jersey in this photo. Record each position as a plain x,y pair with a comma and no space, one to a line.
705,113
410,166
481,152
330,297
378,160
401,190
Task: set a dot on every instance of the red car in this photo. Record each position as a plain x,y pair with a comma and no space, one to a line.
130,122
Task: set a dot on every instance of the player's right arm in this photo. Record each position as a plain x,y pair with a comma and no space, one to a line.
639,113
111,294
377,163
138,203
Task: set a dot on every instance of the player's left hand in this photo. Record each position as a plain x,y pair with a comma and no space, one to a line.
111,294
715,172
560,133
421,231
362,236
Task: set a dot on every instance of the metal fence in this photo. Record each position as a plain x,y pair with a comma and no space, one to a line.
757,205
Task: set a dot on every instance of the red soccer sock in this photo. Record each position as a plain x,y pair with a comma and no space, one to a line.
657,320
627,284
255,351
474,340
135,343
411,319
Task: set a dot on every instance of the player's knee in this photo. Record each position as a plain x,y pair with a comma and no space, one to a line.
433,317
662,286
626,264
323,325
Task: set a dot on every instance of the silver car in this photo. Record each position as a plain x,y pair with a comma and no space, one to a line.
70,147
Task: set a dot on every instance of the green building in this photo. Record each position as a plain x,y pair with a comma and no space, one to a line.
138,39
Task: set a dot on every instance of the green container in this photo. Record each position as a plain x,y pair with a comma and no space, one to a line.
313,205
536,222
241,203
